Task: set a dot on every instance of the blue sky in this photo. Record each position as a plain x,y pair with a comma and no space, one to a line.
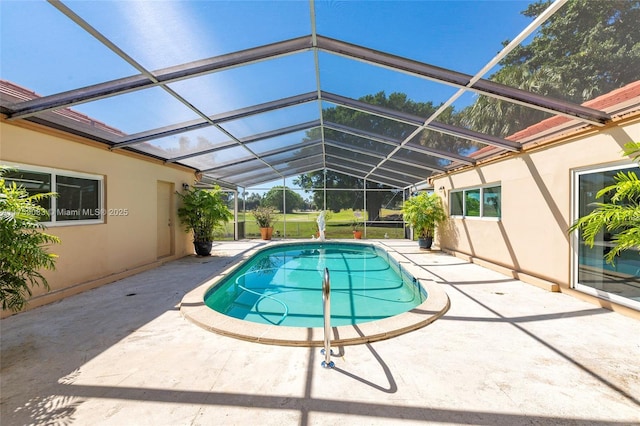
460,35
44,51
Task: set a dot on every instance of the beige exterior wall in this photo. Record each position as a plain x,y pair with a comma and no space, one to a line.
531,237
91,255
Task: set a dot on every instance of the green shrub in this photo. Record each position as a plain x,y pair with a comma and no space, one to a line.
203,212
22,244
424,212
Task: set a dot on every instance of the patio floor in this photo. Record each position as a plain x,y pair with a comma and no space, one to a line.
506,353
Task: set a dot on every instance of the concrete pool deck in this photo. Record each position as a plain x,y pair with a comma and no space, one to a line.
506,353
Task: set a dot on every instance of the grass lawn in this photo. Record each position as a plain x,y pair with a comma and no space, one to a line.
339,225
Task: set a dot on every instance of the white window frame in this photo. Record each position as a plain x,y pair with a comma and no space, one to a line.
464,203
575,236
54,202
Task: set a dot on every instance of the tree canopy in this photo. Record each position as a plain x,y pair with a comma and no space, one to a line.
586,49
278,194
337,200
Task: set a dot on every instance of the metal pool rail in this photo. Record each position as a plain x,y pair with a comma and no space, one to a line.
326,310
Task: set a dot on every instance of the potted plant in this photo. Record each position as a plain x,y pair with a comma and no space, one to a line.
423,213
264,216
355,225
357,233
203,211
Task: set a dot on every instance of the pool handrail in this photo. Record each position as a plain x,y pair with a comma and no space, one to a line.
326,310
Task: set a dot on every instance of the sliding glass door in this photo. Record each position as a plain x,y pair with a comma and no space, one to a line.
620,281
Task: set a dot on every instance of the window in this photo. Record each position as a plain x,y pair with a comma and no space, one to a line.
472,202
79,197
34,183
457,203
619,282
476,202
491,201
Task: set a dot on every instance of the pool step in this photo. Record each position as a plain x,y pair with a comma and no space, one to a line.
246,305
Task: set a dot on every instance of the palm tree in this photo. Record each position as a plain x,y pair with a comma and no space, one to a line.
621,216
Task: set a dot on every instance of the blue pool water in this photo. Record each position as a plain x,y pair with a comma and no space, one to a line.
282,285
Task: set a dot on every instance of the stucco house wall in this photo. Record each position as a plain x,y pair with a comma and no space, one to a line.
94,254
530,240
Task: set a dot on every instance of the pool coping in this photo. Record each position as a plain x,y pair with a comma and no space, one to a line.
194,309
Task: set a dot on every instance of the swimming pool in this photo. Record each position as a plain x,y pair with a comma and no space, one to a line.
282,285
355,323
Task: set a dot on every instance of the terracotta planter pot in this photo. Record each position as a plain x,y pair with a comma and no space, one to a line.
357,235
266,233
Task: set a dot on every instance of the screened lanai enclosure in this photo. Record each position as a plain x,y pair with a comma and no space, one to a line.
348,107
